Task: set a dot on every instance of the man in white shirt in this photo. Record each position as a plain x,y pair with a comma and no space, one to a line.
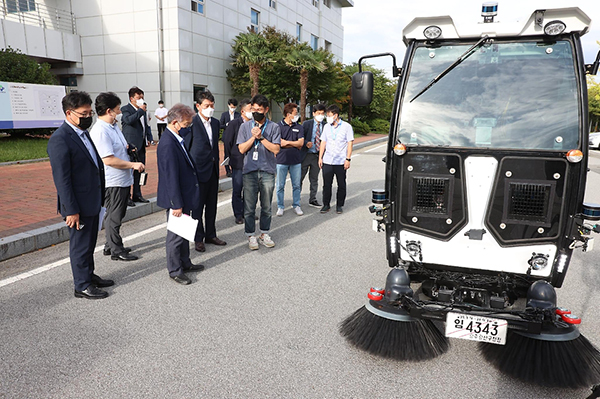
161,117
334,157
112,148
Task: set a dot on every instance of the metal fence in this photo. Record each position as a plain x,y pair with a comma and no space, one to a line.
31,12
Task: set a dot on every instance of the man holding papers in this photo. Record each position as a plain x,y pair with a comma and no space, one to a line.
178,189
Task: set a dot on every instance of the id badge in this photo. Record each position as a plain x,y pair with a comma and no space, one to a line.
255,156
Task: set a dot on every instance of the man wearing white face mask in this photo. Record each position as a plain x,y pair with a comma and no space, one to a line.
289,159
202,144
313,128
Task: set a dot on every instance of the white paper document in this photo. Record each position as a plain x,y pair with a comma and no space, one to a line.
184,226
102,214
225,162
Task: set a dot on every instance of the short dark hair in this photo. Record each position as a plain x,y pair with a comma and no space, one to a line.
260,100
135,90
161,102
334,109
204,95
106,101
289,108
319,107
233,102
244,102
75,99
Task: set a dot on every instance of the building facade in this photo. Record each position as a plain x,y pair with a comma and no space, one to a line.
168,48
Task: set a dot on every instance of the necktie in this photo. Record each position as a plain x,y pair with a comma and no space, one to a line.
318,137
87,141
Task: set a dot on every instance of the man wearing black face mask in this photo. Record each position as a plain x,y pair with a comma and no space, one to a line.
78,174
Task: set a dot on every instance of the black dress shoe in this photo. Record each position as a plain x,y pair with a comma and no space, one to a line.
91,292
130,202
215,241
325,209
141,199
100,282
106,251
229,174
239,220
124,256
181,279
193,268
200,247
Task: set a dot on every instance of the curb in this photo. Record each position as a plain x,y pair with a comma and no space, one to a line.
19,244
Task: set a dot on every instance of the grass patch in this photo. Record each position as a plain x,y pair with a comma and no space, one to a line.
22,148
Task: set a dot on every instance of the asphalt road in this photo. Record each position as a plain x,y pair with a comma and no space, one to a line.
254,324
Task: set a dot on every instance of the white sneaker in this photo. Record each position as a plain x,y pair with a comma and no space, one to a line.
279,212
252,243
265,240
298,211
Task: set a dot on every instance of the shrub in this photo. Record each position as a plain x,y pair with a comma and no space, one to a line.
359,127
380,126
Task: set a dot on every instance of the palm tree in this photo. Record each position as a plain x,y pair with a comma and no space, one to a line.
252,52
304,59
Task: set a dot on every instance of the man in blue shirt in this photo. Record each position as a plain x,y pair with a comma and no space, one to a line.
313,129
259,140
289,158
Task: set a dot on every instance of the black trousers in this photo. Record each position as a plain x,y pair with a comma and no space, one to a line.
340,176
81,251
161,128
115,199
137,191
310,165
178,252
237,199
208,207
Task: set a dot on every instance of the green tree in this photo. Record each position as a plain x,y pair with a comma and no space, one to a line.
251,50
304,60
19,68
383,95
593,103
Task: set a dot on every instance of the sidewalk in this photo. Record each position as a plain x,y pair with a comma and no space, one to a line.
28,218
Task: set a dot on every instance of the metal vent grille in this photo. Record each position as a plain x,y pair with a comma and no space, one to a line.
430,195
529,202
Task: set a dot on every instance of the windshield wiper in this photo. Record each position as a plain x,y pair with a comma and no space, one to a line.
456,63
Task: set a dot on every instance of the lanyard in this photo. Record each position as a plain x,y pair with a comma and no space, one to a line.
334,129
257,142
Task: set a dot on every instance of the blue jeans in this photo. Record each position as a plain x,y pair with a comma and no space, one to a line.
295,176
256,183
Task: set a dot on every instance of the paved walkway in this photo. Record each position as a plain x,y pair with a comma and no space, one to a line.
28,196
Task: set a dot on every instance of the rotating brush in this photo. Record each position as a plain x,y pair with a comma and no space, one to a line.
388,331
557,357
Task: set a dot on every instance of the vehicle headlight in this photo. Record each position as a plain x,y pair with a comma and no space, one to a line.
554,28
432,32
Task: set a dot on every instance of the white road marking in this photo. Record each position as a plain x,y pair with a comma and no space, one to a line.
376,148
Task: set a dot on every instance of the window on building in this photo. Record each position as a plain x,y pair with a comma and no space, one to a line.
299,31
327,3
198,6
273,4
254,20
314,42
327,46
13,6
315,3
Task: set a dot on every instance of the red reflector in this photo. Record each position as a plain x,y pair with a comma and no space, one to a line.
377,289
571,319
375,296
562,311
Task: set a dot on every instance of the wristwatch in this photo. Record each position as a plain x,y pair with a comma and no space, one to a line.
348,159
261,139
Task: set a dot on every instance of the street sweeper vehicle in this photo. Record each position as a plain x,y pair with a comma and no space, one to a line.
483,201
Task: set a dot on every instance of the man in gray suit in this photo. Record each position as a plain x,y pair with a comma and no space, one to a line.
134,123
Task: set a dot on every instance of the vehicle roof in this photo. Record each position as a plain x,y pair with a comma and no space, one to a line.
575,20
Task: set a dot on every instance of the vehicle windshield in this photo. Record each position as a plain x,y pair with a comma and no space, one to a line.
506,95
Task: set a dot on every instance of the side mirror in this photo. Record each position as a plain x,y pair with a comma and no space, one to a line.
592,69
362,88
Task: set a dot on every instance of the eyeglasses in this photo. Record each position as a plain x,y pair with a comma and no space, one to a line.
92,113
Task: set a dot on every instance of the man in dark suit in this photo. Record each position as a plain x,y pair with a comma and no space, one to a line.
236,159
178,190
310,151
78,174
134,124
227,117
202,143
